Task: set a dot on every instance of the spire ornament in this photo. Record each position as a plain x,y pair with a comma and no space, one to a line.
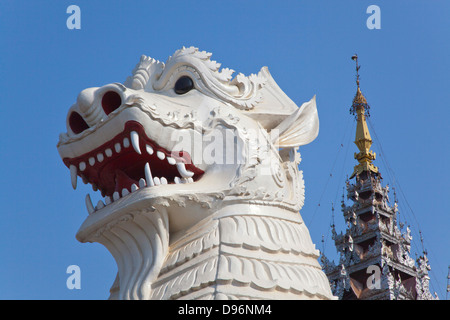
374,254
363,141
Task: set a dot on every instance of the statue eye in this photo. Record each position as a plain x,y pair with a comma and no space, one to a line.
184,85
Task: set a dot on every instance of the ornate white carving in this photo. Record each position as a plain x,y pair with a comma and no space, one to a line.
139,243
216,228
423,280
243,92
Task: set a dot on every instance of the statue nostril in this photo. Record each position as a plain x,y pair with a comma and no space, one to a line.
86,99
77,123
111,101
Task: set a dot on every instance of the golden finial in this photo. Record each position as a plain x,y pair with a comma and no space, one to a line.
362,139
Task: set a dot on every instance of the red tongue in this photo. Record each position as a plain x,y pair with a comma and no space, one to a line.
123,181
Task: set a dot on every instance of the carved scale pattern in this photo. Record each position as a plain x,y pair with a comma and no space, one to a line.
243,256
139,243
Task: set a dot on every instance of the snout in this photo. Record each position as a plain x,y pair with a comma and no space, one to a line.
93,106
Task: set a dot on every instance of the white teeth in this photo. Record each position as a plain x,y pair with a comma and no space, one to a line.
73,176
89,206
148,175
179,180
126,142
135,141
171,160
100,204
182,170
148,181
160,155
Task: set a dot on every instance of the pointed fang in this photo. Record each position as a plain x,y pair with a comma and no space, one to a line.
182,170
148,175
89,206
135,141
73,176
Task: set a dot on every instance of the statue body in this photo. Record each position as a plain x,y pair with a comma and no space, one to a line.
199,173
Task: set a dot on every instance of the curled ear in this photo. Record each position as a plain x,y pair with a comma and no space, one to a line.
298,129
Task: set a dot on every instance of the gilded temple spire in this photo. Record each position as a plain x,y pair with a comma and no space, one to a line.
363,141
374,255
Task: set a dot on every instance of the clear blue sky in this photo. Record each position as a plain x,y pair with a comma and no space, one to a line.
307,46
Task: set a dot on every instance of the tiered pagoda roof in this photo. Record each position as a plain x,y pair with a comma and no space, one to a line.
374,254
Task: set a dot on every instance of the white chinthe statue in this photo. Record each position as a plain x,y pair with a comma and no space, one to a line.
199,174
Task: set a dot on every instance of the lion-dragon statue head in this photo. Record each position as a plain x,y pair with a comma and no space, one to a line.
199,174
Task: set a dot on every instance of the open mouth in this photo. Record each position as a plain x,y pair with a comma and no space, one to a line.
131,161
